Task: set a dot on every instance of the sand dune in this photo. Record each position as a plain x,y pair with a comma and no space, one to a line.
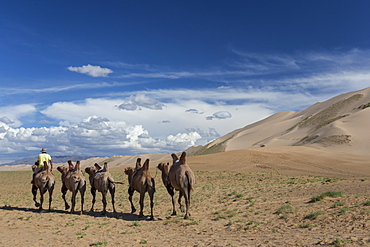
339,124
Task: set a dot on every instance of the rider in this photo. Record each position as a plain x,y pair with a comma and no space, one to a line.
41,158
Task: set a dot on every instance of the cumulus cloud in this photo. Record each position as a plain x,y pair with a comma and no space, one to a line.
140,101
220,115
91,70
184,138
92,136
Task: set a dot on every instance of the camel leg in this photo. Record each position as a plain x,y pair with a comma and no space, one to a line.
41,198
104,200
50,189
112,191
151,195
82,193
130,193
64,192
73,200
93,192
179,201
187,203
34,193
141,201
172,193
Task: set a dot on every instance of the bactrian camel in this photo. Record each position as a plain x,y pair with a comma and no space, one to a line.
101,180
43,181
74,181
180,177
140,180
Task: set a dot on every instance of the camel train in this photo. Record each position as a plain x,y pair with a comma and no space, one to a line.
178,177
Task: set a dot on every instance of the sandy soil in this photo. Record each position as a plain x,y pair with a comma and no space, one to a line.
256,197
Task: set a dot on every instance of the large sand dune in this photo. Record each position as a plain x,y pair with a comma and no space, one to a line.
339,124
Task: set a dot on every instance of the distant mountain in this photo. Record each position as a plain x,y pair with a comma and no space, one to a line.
340,124
56,159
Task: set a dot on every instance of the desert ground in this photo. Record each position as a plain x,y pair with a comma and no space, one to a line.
278,196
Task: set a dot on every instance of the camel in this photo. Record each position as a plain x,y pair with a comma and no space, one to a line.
43,181
101,180
74,181
163,167
140,180
180,177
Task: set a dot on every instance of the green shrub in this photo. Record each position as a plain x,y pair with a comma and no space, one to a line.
333,194
314,215
285,209
366,203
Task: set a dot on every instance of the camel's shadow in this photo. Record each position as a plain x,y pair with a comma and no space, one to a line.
123,216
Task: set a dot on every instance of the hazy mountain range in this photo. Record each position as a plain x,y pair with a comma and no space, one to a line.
56,159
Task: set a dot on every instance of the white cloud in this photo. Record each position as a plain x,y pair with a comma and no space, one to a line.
91,70
136,102
11,115
194,111
92,136
220,115
255,86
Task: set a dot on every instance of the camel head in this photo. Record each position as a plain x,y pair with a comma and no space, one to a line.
129,171
62,169
91,171
163,167
182,159
35,166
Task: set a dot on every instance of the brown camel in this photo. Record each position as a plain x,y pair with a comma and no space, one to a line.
140,180
43,181
74,181
163,167
180,177
101,180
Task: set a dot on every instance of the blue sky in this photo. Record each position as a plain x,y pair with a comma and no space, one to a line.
133,77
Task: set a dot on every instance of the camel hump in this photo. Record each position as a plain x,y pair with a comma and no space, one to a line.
183,158
97,166
105,168
46,167
78,166
174,157
138,163
146,165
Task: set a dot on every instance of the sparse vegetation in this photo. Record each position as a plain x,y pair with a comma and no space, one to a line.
338,242
314,215
366,203
232,203
285,209
364,106
333,194
98,243
338,204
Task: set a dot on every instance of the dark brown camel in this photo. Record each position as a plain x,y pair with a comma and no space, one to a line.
164,168
180,177
43,181
101,180
140,180
74,181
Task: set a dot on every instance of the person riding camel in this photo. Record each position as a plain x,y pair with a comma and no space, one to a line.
41,158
